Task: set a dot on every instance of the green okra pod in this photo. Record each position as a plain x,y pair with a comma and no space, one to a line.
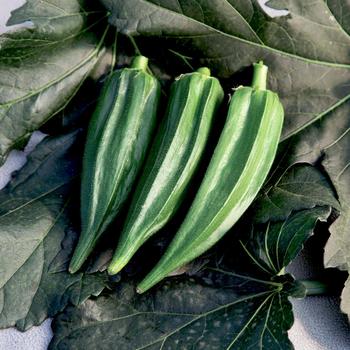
118,136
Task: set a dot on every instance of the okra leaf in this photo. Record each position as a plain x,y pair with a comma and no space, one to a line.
77,113
37,232
306,51
337,251
341,10
180,315
42,67
276,245
225,305
329,141
302,186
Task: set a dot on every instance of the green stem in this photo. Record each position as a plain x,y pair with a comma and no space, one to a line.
259,76
140,62
204,71
282,272
315,287
133,42
184,58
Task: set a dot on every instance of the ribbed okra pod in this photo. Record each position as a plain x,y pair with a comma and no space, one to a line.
237,170
173,159
118,136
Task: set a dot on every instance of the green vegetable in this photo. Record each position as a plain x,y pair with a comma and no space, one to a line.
119,133
44,66
173,160
237,170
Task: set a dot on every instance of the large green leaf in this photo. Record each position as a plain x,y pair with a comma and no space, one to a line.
42,67
296,33
36,215
302,186
215,33
341,10
329,139
238,301
337,252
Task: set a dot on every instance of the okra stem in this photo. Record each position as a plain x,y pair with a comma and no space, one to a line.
315,287
259,76
204,71
140,62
